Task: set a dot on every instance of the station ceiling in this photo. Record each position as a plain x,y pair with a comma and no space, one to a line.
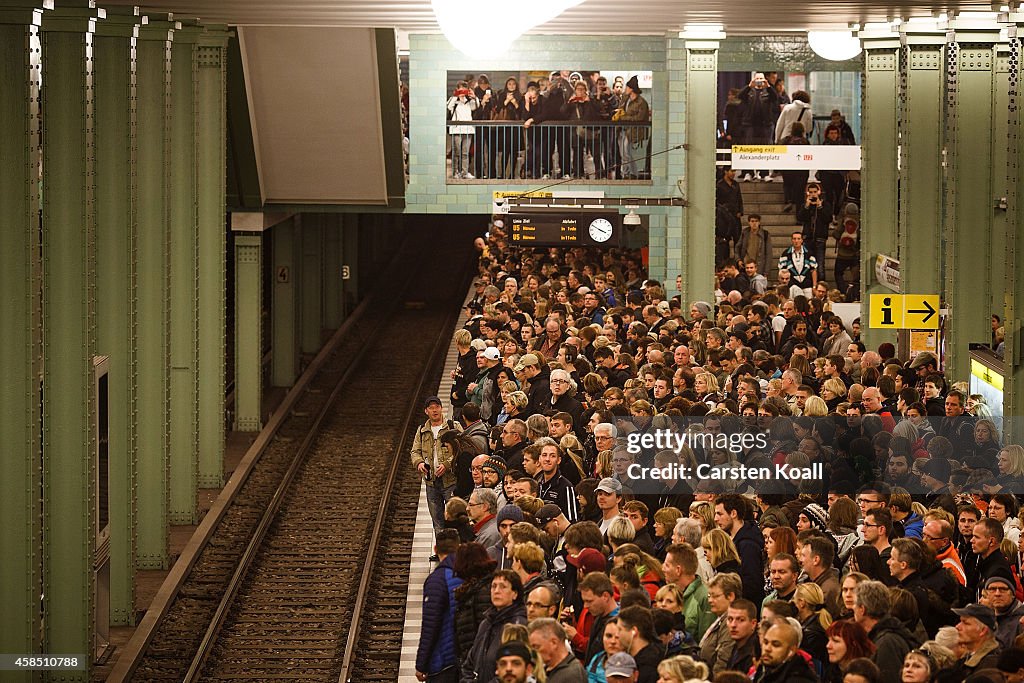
602,17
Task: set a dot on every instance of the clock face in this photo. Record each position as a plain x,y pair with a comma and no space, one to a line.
600,230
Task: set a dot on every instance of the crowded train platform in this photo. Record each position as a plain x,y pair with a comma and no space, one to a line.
623,486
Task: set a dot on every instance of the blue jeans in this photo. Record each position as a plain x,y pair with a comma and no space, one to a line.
437,496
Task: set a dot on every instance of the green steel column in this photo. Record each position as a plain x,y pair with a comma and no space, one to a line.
248,331
350,258
311,287
21,331
921,129
1000,123
153,93
69,331
184,281
1013,386
969,203
284,366
332,271
879,145
701,109
210,211
116,237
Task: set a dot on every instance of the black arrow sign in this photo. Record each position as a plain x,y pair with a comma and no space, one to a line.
927,309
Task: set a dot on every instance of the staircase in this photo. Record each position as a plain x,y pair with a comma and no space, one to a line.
767,199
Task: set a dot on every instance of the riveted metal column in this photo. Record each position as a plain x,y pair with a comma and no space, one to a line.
700,107
921,131
1013,321
1000,157
350,258
879,150
969,198
21,332
211,135
69,330
184,269
153,93
332,271
116,239
284,367
311,287
248,331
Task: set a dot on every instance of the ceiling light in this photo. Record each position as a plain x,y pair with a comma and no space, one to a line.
702,31
631,218
506,22
836,46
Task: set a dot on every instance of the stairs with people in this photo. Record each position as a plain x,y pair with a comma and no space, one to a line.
767,199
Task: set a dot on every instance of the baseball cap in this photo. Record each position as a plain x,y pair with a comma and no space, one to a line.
547,513
620,664
609,485
526,361
986,615
431,400
492,353
591,560
924,358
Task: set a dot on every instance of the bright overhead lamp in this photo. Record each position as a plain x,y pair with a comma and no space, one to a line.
631,218
702,31
836,46
506,22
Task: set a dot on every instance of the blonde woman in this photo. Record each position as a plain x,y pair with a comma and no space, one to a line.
809,600
682,669
706,386
815,406
833,391
721,551
702,511
1011,467
670,599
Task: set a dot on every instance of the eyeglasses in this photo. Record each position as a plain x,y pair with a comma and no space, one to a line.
930,538
865,524
470,505
476,469
559,381
867,501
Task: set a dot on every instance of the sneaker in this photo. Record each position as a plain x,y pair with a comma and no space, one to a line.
747,178
469,176
546,176
566,177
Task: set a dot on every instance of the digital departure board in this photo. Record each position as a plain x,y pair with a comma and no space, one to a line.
565,230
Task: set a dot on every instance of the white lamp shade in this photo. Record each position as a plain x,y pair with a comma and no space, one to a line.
836,46
460,21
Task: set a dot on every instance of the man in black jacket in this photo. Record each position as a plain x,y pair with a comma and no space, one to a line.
985,541
816,216
638,637
780,661
731,513
531,371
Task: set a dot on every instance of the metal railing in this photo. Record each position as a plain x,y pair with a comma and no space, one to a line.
507,150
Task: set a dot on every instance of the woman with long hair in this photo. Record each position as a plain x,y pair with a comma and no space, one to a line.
703,512
1010,462
705,384
866,560
473,598
610,645
847,641
721,551
986,440
809,600
848,592
682,669
647,567
462,450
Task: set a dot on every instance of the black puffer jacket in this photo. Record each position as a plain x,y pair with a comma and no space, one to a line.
473,599
479,663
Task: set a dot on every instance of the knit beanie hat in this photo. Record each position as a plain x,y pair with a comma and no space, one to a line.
817,515
510,511
704,307
497,464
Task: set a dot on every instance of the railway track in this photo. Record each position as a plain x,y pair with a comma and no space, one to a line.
305,577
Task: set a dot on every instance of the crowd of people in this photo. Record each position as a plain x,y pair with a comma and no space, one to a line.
557,127
894,556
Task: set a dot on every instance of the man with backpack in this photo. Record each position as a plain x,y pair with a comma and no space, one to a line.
433,462
436,658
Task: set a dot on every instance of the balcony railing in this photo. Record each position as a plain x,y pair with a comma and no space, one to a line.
484,151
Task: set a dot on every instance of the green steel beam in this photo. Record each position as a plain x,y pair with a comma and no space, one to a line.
701,115
284,367
921,130
69,333
20,332
879,145
969,196
153,93
248,331
1013,321
332,271
350,258
210,211
244,191
1000,158
311,284
116,239
184,276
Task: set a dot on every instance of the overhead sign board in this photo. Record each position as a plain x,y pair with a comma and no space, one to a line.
904,312
887,271
580,229
797,157
500,203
